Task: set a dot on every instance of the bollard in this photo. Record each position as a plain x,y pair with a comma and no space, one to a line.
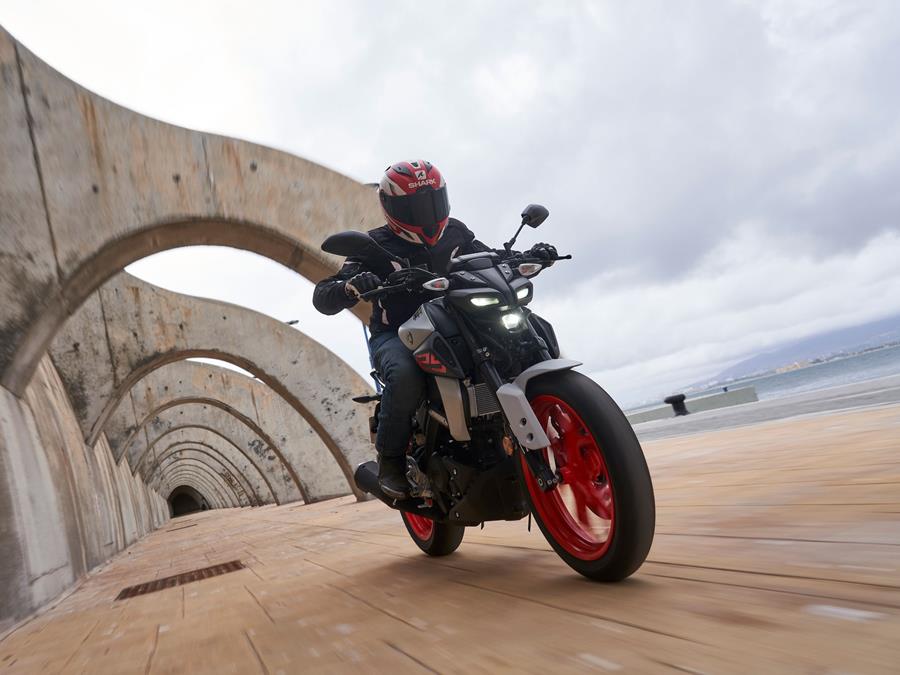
677,403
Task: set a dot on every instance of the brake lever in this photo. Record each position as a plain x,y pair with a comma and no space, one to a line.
382,290
371,294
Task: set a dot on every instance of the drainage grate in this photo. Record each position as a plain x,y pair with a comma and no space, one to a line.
180,579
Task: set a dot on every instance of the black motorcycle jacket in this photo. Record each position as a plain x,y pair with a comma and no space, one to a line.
389,312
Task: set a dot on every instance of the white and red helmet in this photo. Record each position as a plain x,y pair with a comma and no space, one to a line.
414,200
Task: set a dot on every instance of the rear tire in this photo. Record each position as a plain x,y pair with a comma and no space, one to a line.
601,519
436,539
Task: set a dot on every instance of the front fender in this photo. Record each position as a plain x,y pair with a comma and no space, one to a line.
522,420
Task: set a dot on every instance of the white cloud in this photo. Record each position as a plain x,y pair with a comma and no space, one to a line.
750,293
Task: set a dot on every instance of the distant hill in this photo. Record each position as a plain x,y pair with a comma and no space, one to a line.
824,345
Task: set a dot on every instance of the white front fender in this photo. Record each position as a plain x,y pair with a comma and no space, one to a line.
522,420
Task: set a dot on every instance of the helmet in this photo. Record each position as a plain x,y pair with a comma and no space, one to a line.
414,200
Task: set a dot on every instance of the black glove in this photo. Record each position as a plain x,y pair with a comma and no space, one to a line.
361,283
542,251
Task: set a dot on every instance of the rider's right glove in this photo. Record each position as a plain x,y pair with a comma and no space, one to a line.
544,252
361,283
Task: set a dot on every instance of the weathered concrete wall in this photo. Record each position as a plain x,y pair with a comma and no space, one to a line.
66,507
87,187
129,328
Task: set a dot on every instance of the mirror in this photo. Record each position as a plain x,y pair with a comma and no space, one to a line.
360,245
534,215
348,243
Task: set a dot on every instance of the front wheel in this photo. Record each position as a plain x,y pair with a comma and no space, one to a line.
601,517
435,539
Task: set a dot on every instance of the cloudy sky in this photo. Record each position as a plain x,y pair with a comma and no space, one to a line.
727,174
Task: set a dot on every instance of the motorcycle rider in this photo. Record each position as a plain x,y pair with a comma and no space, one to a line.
413,197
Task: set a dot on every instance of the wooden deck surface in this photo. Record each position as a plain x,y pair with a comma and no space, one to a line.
777,549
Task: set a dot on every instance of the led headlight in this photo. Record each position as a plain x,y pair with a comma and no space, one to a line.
511,320
522,293
484,301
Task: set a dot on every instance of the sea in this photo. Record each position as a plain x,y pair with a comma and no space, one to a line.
845,370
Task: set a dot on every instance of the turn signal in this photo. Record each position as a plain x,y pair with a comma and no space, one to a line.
439,284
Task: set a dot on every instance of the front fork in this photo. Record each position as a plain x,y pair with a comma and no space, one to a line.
540,469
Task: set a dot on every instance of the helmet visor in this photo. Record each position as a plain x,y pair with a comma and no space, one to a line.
424,209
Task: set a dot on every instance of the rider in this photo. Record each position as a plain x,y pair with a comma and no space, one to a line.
414,200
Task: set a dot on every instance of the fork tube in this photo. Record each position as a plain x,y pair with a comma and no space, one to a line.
481,354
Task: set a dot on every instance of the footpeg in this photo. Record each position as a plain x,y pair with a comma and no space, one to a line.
419,484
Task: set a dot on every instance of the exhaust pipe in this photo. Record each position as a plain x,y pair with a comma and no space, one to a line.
366,479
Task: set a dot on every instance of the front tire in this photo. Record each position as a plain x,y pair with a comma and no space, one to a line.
602,516
436,539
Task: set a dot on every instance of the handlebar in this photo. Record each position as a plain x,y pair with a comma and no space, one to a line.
383,290
408,282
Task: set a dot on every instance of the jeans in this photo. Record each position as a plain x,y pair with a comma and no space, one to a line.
404,386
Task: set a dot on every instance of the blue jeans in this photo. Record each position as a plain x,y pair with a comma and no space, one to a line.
404,386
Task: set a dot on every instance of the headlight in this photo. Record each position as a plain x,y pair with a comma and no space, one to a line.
484,301
522,293
511,320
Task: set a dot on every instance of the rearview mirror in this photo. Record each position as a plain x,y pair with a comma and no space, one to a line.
534,215
357,244
347,243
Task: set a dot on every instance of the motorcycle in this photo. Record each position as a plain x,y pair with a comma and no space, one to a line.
507,428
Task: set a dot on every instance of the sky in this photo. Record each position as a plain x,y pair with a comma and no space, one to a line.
726,174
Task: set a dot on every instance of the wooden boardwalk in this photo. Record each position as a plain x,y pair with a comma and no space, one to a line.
777,549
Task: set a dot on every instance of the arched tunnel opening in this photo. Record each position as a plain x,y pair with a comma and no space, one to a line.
185,500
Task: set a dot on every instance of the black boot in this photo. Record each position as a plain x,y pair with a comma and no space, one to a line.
392,476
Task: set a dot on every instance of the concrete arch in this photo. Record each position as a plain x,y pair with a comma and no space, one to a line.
229,498
217,443
258,448
214,461
136,445
227,481
197,448
98,186
133,328
319,475
217,498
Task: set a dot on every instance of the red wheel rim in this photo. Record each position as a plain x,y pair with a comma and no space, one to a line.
580,513
421,526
